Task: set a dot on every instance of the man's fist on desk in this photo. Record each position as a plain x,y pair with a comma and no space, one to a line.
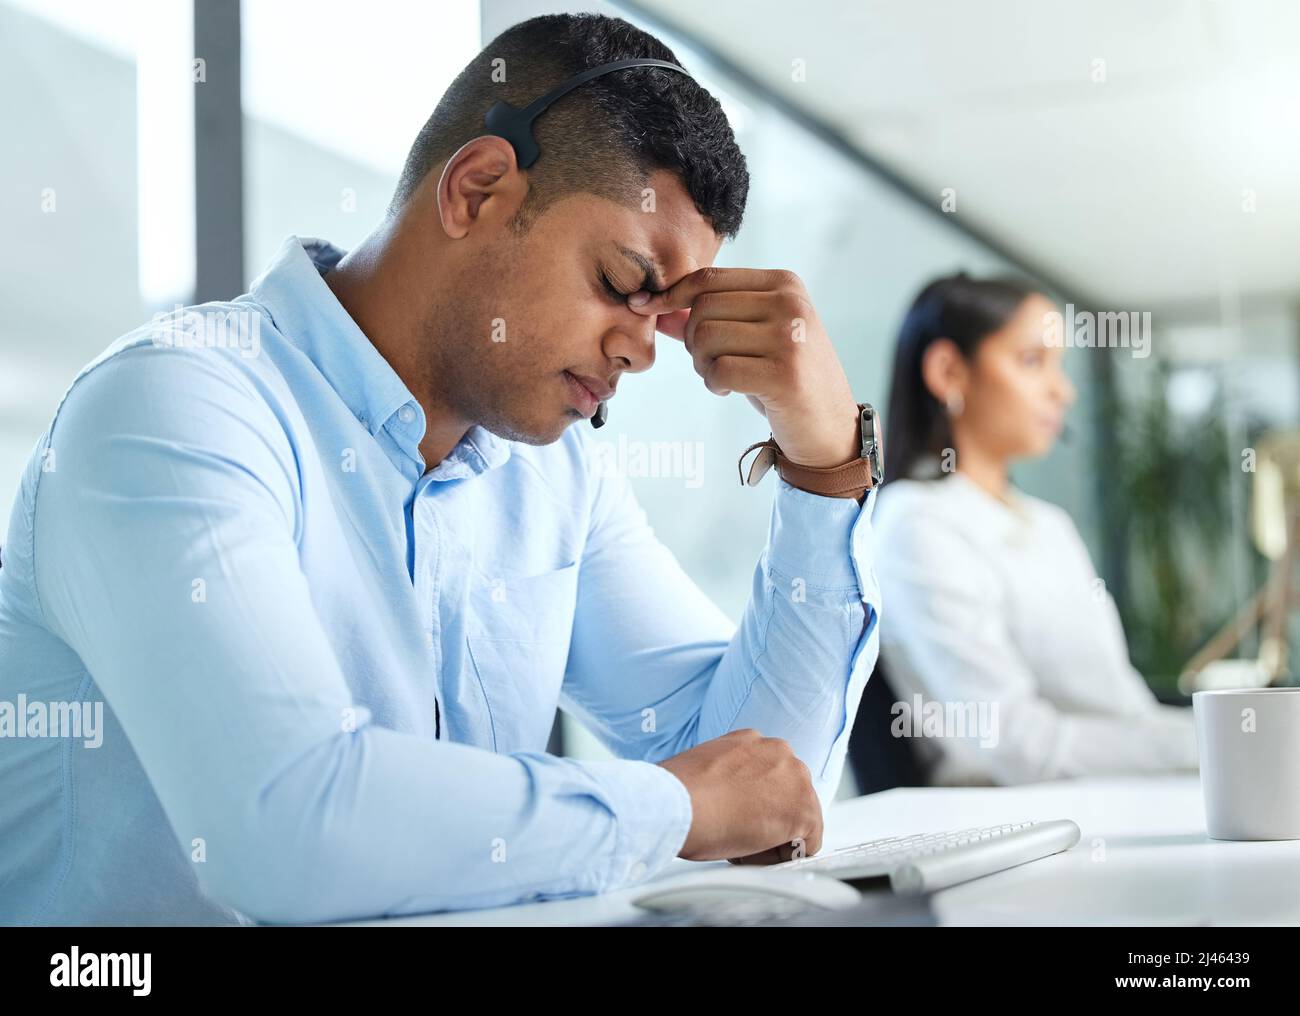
752,800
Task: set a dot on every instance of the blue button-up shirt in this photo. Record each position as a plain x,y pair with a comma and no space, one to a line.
325,677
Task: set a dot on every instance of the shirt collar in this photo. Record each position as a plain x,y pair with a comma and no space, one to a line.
306,311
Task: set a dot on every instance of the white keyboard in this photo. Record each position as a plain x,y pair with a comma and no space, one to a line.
931,861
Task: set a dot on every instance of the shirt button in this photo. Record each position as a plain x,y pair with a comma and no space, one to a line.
637,871
406,414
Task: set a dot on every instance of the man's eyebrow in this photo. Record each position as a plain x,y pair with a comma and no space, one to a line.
651,280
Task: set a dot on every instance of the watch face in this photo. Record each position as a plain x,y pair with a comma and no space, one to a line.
873,449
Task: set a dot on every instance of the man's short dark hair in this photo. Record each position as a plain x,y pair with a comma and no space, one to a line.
604,137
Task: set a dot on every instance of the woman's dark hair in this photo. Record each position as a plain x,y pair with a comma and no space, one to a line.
959,308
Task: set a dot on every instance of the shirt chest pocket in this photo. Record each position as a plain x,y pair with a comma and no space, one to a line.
518,641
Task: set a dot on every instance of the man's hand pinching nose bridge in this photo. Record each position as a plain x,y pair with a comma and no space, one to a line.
755,331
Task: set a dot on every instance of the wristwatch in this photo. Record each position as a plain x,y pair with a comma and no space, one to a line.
853,479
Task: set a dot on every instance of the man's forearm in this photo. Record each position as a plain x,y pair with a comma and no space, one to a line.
808,642
377,822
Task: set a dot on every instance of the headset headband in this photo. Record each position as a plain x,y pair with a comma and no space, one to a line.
516,125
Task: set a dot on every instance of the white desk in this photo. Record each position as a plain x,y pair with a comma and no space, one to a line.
1143,858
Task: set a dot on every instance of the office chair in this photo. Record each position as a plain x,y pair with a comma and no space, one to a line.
879,760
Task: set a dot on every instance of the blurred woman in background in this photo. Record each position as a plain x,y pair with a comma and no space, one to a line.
992,612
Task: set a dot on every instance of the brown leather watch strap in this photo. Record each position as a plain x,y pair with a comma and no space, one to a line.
853,479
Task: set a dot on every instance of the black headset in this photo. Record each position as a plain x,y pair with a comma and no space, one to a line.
516,126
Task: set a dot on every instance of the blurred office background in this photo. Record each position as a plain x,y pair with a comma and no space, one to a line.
1131,157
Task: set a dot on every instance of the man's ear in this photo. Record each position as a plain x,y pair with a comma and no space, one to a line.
944,370
480,183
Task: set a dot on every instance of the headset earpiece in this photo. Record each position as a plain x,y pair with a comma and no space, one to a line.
506,121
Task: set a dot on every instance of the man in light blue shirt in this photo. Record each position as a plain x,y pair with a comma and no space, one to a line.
325,558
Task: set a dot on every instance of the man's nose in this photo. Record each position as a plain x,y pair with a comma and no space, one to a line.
631,342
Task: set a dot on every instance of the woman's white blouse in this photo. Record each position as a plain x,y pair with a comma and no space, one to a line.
996,618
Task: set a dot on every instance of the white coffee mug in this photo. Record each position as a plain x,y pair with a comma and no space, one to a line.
1249,742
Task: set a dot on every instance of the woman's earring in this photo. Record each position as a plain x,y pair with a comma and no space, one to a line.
955,403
